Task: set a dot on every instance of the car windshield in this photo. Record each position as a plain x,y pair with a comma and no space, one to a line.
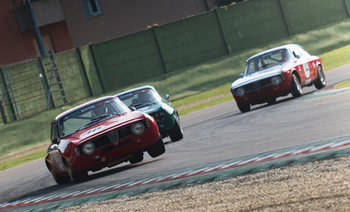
267,60
139,98
90,114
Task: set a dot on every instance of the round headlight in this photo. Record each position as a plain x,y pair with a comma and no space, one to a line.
239,91
138,128
276,80
88,148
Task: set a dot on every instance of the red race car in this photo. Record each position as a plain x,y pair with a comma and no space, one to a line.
100,133
277,72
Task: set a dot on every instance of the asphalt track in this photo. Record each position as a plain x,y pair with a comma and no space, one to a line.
220,136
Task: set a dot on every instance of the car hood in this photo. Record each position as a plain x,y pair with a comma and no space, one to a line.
151,108
102,127
273,71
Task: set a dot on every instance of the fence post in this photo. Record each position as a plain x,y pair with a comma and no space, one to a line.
221,28
156,40
86,78
12,94
286,23
2,112
97,69
8,95
346,8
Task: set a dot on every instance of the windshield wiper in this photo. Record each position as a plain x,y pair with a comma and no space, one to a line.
98,118
139,105
95,120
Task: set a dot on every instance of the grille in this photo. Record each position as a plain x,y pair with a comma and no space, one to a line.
125,131
257,85
101,141
113,136
158,116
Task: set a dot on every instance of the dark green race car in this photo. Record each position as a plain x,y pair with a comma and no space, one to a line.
147,99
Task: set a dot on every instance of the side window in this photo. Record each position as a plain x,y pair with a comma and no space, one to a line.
303,52
91,8
53,130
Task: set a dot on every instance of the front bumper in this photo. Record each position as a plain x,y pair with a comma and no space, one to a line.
109,154
258,95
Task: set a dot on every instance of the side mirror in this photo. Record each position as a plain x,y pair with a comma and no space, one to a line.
167,97
296,55
133,108
54,140
240,75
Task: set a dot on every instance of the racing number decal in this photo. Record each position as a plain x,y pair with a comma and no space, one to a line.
306,70
92,131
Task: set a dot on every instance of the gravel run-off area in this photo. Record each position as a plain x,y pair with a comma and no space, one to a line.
317,186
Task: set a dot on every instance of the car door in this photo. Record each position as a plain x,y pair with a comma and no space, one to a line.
302,66
311,62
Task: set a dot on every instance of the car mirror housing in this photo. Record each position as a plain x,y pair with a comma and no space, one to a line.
241,75
132,108
54,141
167,97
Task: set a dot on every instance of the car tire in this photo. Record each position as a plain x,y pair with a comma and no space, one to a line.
60,179
243,108
74,175
271,101
176,133
156,149
295,87
138,157
321,78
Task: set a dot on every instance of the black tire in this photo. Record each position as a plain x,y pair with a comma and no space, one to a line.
176,133
271,101
321,78
60,179
74,175
138,157
295,87
243,108
156,149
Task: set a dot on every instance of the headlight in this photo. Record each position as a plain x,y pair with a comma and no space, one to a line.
138,128
88,148
239,91
276,80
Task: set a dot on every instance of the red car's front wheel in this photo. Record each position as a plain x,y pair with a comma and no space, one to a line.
243,108
296,88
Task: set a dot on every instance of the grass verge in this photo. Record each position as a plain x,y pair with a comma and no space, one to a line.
22,159
343,84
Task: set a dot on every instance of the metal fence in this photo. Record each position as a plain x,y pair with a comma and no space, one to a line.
29,87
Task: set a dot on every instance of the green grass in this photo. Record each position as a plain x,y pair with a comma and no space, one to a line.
336,57
343,84
204,95
22,159
205,105
187,86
